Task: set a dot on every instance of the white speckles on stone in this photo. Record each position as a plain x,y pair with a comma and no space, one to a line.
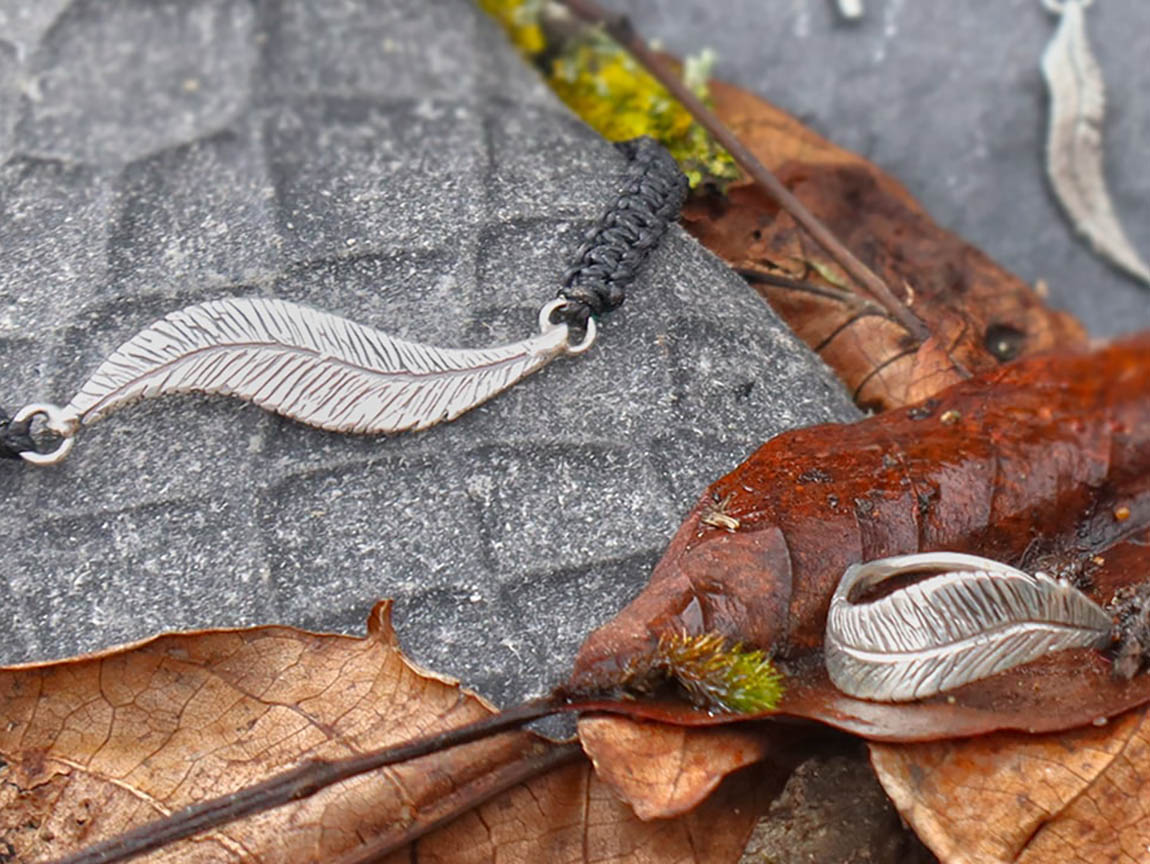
106,100
427,109
504,537
801,13
481,487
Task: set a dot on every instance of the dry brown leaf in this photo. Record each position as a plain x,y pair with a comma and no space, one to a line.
664,771
1078,796
977,312
571,816
96,745
102,743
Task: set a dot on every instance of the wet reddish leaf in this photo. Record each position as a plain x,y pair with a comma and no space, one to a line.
978,313
1029,462
93,746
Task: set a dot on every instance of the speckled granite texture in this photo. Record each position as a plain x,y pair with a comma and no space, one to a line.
393,162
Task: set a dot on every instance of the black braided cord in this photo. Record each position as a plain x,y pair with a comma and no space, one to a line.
14,438
614,250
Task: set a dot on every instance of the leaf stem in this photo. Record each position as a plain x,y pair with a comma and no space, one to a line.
469,797
302,782
758,277
620,29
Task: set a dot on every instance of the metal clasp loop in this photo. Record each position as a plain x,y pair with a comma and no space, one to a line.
57,421
546,325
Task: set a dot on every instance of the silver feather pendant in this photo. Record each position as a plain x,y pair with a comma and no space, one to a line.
312,366
1074,139
970,618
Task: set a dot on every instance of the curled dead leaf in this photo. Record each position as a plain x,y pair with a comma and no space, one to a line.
979,315
102,743
662,770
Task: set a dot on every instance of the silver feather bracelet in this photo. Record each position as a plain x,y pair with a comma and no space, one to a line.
336,374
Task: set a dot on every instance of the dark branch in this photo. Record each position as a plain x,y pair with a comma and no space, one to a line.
302,782
760,278
620,29
469,797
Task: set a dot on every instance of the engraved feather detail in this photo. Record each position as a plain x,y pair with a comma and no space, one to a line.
974,619
312,366
1074,141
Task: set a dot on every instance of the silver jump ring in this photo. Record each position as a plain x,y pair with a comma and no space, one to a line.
58,422
546,324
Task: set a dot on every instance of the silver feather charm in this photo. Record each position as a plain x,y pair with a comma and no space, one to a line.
1074,139
312,366
969,619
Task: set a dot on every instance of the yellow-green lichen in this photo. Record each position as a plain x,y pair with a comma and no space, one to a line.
520,18
614,95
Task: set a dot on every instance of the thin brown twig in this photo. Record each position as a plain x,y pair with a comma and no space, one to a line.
468,797
838,295
302,782
619,28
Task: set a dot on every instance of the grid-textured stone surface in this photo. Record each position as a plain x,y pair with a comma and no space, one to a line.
395,163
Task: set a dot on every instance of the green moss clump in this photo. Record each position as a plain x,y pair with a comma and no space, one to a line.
600,82
717,675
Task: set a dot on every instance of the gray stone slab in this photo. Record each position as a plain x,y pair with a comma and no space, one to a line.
394,163
948,98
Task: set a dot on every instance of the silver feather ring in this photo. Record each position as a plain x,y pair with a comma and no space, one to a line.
969,618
